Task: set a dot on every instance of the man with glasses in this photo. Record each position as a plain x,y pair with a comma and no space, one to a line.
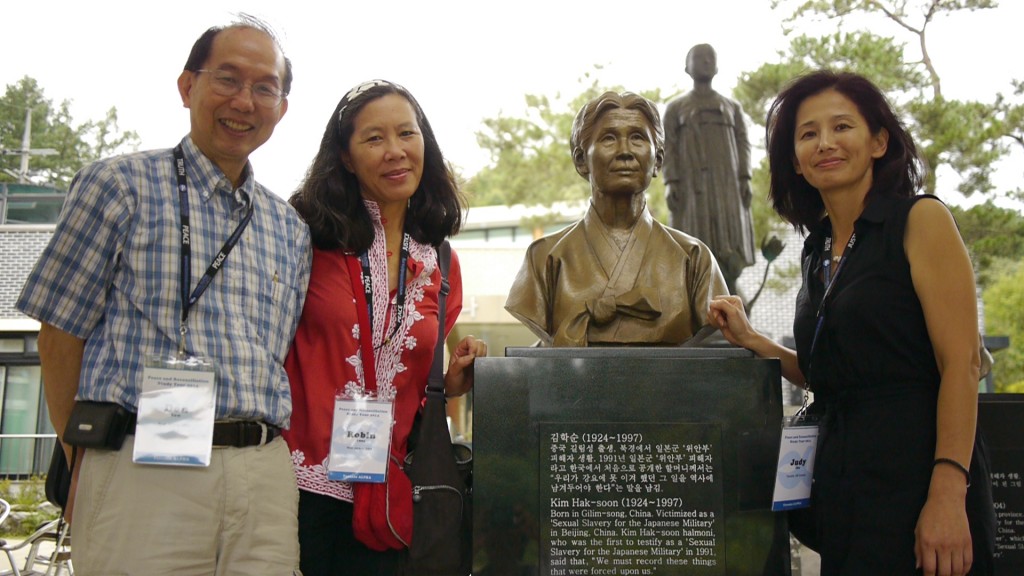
168,297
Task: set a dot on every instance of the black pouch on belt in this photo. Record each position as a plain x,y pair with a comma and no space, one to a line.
97,425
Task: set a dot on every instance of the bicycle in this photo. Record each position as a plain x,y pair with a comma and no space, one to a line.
47,550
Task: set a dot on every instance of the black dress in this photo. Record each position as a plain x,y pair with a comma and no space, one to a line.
876,383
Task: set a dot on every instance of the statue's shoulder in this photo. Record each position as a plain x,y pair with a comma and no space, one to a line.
679,109
686,242
557,241
680,102
728,102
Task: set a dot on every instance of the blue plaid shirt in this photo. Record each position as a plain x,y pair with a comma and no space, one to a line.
110,275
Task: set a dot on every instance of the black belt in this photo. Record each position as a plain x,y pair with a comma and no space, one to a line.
236,433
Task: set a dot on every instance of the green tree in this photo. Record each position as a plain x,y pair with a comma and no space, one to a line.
966,136
530,159
1004,315
910,16
994,237
54,128
1010,111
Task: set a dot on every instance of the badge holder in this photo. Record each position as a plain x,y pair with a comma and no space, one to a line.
795,474
360,438
176,412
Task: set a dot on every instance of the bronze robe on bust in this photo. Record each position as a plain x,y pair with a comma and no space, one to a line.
576,288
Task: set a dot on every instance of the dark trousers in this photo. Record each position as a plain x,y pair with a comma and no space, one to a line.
329,548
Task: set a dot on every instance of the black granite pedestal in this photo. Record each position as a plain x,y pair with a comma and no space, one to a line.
627,461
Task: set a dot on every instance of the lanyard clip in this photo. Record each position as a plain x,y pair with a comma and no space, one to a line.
181,341
802,412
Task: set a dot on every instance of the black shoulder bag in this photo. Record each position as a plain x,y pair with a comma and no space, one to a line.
440,472
58,478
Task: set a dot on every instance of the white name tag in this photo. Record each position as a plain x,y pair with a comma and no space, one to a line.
176,413
360,440
796,467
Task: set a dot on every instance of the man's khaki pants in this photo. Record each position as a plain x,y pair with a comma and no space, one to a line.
239,516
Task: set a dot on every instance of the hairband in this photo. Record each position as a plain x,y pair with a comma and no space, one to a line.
359,90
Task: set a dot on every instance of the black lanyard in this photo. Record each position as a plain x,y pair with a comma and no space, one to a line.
187,300
830,282
367,278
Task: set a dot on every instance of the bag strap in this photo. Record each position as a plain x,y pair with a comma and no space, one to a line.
435,383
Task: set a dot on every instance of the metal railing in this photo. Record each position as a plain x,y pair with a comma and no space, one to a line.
25,455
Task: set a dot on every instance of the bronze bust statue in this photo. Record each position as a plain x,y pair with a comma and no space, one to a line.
616,277
707,167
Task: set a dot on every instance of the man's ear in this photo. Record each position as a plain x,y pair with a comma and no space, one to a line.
282,109
579,160
185,83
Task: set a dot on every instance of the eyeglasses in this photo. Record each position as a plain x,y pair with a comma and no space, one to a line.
225,83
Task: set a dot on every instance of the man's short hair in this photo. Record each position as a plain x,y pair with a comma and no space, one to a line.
204,44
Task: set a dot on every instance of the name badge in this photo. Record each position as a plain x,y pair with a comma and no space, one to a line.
795,472
360,439
176,412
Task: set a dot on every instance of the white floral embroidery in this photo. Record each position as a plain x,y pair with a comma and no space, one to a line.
389,350
313,478
354,389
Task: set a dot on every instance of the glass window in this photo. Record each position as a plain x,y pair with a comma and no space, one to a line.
12,345
501,234
38,210
472,235
30,204
20,416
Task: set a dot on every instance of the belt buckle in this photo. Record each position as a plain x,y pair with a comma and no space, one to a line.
263,433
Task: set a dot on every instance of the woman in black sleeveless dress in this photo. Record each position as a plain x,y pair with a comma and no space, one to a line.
886,337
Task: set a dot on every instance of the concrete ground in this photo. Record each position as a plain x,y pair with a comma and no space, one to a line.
20,556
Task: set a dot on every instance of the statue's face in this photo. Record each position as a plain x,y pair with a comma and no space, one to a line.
621,158
702,65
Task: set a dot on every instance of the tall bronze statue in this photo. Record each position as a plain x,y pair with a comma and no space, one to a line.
616,277
707,167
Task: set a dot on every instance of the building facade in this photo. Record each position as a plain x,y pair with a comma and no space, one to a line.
27,218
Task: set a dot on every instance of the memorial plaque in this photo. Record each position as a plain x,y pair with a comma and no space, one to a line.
650,495
999,418
619,461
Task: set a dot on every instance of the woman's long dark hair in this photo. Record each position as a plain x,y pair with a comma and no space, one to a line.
329,199
896,173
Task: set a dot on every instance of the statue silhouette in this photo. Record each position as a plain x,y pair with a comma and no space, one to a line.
707,168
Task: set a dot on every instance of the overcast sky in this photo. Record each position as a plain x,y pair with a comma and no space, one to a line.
465,61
